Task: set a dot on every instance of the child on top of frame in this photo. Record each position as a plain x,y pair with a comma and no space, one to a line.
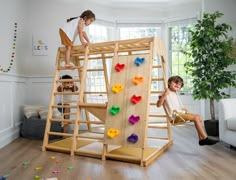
73,27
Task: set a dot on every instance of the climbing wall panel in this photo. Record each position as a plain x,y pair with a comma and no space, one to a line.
128,103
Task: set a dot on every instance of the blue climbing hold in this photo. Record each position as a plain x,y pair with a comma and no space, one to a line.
138,61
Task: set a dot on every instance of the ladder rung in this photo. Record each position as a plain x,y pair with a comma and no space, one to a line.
158,127
157,92
93,105
157,66
95,70
70,68
68,113
64,106
63,120
68,101
91,122
66,93
93,92
157,115
157,79
68,80
153,104
60,134
157,138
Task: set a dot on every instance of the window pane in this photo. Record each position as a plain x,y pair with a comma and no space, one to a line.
98,33
179,38
137,32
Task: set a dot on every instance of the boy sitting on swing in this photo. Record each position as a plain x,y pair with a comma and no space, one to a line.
178,113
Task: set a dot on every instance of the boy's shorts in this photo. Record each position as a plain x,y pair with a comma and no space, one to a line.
183,117
187,116
64,38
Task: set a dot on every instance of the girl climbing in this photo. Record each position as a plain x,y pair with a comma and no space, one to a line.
73,27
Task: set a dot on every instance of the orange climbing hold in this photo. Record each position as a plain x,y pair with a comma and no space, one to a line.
138,79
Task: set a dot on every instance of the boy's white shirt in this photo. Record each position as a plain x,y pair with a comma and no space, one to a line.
174,102
71,28
66,97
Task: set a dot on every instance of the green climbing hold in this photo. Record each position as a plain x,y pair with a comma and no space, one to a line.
114,110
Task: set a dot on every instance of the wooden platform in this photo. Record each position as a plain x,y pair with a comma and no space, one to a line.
91,148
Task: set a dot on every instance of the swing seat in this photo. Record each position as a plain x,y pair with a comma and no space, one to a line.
176,119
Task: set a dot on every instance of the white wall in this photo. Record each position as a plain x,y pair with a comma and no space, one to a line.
13,97
12,84
13,11
46,16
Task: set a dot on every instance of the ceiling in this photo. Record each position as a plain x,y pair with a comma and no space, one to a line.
135,3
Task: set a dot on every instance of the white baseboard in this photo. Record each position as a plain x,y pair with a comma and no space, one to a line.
8,136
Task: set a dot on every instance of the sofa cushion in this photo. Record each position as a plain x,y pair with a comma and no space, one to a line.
32,110
231,123
43,114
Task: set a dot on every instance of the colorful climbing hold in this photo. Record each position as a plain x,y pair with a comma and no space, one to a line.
55,171
4,177
26,163
57,161
112,132
36,177
119,67
38,168
70,168
134,119
135,99
133,138
114,110
138,61
117,88
138,79
52,157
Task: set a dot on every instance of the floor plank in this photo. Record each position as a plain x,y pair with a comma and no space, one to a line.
184,160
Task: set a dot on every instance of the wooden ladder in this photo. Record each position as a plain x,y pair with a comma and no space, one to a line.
82,70
161,68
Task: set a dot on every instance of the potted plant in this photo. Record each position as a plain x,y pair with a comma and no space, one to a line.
210,52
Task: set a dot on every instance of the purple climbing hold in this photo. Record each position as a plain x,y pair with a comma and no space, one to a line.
134,119
133,138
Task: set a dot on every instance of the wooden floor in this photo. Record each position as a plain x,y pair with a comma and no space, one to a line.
184,160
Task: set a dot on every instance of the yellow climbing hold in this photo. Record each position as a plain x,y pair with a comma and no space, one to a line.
117,88
112,132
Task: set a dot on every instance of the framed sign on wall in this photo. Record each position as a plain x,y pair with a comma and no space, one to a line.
39,46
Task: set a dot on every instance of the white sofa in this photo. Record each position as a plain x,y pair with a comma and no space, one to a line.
227,121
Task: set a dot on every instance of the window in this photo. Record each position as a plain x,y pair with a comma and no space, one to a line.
138,32
95,81
98,33
179,38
